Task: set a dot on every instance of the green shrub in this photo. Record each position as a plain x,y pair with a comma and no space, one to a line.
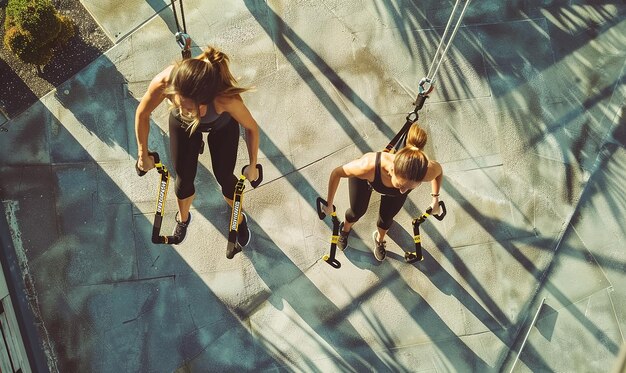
34,28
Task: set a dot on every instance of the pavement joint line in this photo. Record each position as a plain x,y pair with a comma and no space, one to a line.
461,247
143,279
475,168
619,327
584,298
136,28
597,264
301,168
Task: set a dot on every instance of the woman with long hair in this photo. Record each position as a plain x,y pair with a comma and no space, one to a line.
204,97
391,175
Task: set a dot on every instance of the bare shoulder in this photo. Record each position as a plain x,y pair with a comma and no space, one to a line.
228,103
434,170
161,80
368,159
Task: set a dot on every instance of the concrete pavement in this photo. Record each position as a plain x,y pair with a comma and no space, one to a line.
527,120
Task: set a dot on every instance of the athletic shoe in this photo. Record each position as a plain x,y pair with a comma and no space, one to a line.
243,232
180,232
342,243
232,250
379,251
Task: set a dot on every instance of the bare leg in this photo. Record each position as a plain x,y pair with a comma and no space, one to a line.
381,234
183,207
347,226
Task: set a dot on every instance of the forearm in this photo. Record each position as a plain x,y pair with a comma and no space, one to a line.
436,188
142,130
333,184
252,142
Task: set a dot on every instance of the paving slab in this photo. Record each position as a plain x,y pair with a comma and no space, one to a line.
526,119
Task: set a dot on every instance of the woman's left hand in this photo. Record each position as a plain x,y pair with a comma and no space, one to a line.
251,173
436,209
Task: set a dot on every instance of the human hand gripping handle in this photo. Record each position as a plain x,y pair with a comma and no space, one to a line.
442,214
322,207
145,163
415,256
249,172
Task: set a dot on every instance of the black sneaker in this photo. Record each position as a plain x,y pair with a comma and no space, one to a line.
231,250
379,251
180,232
342,243
243,232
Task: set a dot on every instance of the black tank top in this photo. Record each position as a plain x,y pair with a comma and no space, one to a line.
378,185
211,121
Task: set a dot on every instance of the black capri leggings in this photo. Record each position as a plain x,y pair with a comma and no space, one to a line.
185,149
360,193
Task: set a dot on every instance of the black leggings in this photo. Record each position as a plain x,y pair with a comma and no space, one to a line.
185,149
360,193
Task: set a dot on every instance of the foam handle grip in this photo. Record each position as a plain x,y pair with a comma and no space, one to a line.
319,202
154,155
259,179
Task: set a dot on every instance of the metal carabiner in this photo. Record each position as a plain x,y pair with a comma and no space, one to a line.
183,40
425,86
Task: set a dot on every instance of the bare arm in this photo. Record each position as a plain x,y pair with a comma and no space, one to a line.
238,110
435,185
360,168
153,97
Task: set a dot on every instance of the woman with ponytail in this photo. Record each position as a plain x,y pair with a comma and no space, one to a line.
203,97
391,175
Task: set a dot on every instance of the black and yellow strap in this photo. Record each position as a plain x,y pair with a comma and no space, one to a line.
161,198
416,256
233,247
334,238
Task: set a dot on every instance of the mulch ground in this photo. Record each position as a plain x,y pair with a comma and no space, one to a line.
20,83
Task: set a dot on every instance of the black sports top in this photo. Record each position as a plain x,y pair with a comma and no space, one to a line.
378,185
211,121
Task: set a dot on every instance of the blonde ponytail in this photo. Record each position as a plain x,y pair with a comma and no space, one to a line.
410,162
416,137
201,79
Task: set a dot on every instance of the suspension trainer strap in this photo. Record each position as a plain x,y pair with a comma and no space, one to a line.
182,38
416,256
161,197
233,247
426,85
334,239
439,57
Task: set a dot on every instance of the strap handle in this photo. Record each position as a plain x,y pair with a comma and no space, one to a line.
259,179
156,158
320,212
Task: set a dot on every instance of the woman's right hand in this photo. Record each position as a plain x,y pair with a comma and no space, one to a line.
145,162
328,209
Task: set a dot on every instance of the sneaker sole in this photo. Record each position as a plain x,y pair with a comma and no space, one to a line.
249,233
340,247
231,252
249,237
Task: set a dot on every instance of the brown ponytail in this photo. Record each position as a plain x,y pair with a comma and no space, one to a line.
201,79
410,162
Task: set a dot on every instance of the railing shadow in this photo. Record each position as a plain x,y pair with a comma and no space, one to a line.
95,304
539,274
331,323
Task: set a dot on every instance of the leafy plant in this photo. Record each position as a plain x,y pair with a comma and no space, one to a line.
34,29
